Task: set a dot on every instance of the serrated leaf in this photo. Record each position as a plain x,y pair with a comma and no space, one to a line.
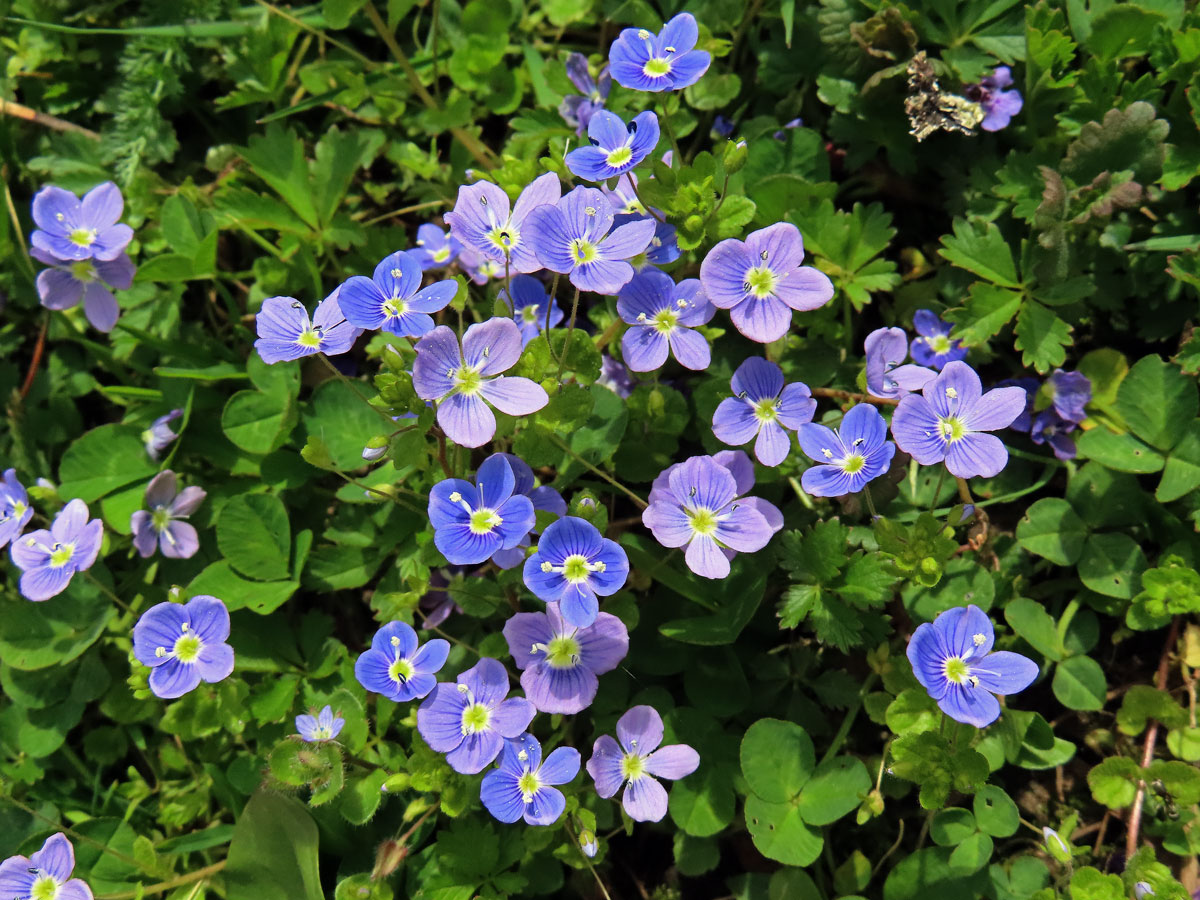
987,309
1042,337
985,253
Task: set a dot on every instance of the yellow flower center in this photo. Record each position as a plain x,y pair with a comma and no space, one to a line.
619,157
309,338
956,670
475,718
633,766
187,648
60,555
760,281
82,237
563,652
657,67
401,670
952,429
582,251
529,785
703,520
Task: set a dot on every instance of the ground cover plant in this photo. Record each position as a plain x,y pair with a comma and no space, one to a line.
599,449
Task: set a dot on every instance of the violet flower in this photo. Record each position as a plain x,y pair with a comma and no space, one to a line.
761,408
72,229
162,523
45,875
49,559
644,61
933,345
522,784
637,762
663,315
482,221
15,511
886,349
184,644
90,280
578,110
999,105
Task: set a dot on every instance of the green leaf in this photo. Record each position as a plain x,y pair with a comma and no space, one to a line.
1079,683
780,834
1091,884
257,422
950,827
995,812
338,155
777,759
1142,703
987,309
1158,402
277,157
714,92
1181,780
262,597
1029,619
1052,529
37,635
1106,369
1181,474
253,533
836,788
929,873
1114,781
1122,452
273,854
985,253
1112,564
337,13
101,461
1129,139
1042,337
342,420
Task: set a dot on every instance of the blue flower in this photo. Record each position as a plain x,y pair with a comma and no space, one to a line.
45,874
573,564
48,559
529,304
723,126
396,667
393,299
999,105
159,436
663,316
952,659
521,786
319,728
473,521
949,419
1050,428
469,720
761,408
15,511
161,525
479,268
573,238
615,147
659,62
848,457
482,222
435,249
886,349
544,499
71,229
1071,392
638,761
933,345
64,285
664,246
184,644
1030,385
578,110
465,381
761,280
285,331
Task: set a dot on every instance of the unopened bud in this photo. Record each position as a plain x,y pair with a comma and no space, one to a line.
376,448
397,782
587,843
1142,889
735,155
388,858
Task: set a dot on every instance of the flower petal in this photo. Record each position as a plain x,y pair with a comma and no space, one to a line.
674,761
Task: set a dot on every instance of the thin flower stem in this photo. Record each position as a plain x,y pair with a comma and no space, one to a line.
937,491
964,491
38,349
106,592
609,333
350,384
403,839
870,502
67,829
839,394
586,859
892,849
645,206
163,886
847,721
562,359
666,124
562,445
429,204
549,303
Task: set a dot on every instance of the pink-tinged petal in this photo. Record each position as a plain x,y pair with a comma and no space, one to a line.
743,528
674,761
668,523
162,489
605,766
763,320
604,645
145,538
467,421
179,540
514,395
804,289
545,189
512,717
117,273
976,454
437,357
188,501
522,631
704,483
640,730
705,558
645,800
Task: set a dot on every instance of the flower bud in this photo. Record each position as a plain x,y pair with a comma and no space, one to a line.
388,858
1058,848
1142,889
397,782
587,843
734,157
376,448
